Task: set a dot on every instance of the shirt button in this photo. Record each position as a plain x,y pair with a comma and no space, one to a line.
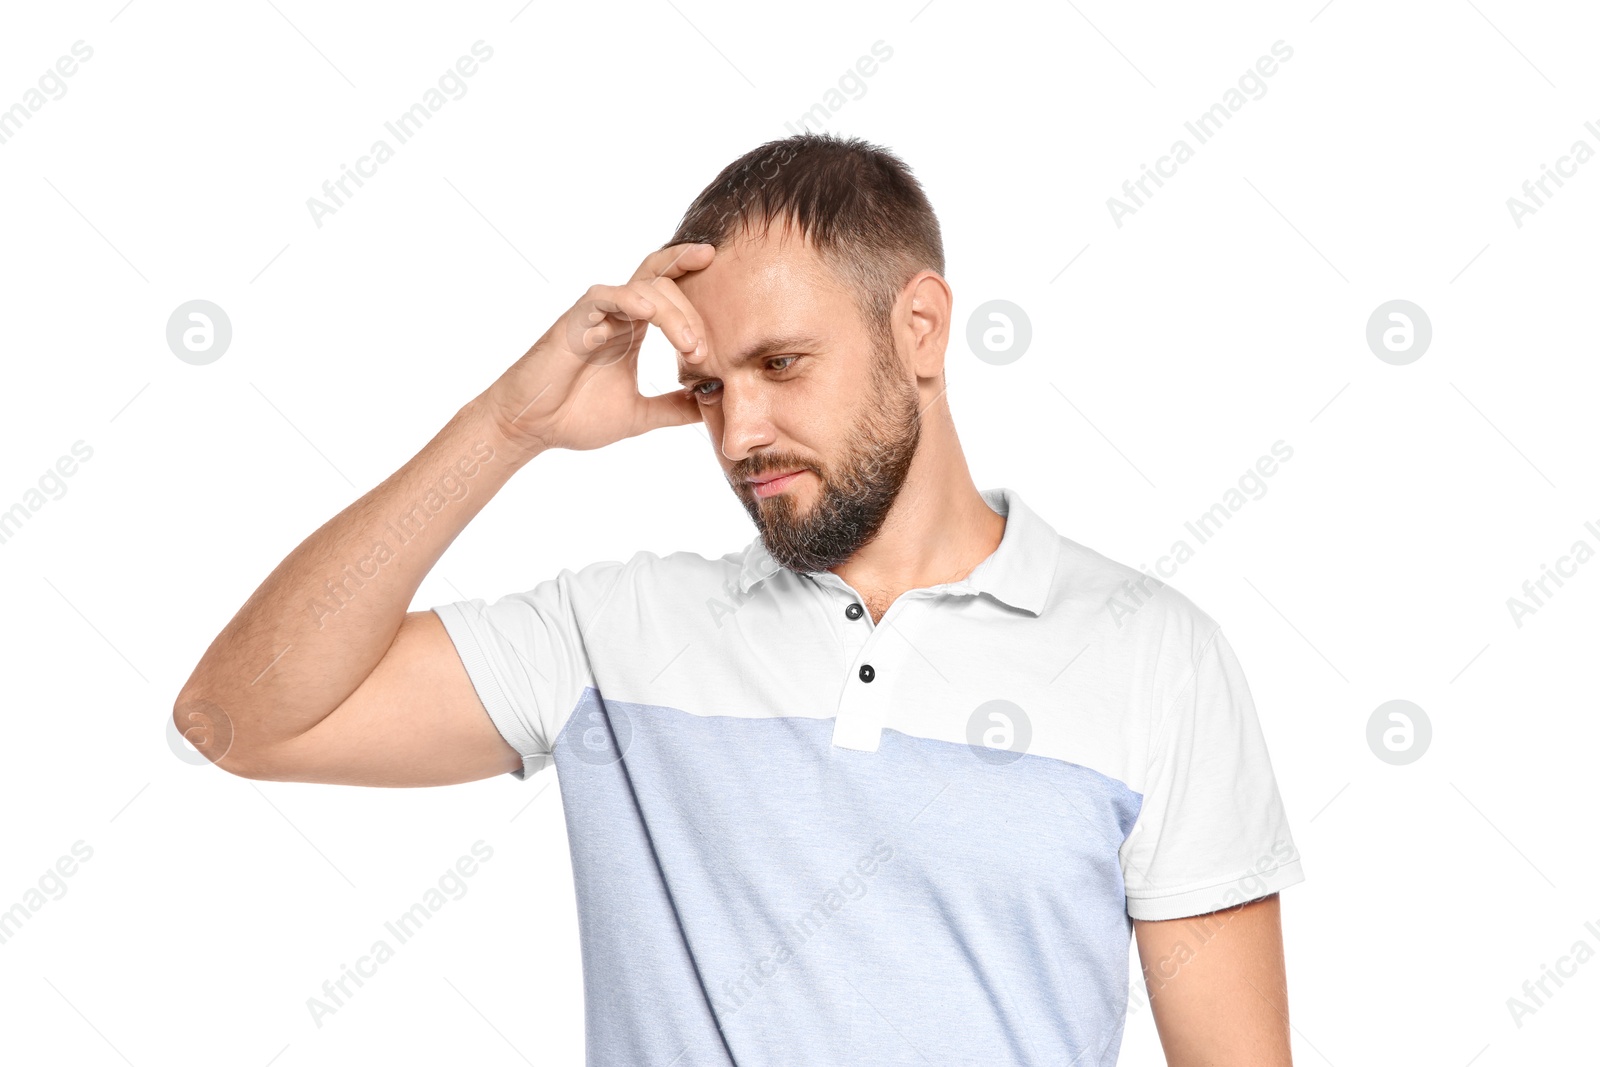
853,611
867,672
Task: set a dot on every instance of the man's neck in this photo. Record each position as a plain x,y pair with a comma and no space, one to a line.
934,534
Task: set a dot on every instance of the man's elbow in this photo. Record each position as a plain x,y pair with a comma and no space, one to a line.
204,724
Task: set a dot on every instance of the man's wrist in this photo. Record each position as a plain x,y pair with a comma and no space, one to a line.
484,421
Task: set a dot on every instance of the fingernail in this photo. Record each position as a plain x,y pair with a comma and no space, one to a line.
688,336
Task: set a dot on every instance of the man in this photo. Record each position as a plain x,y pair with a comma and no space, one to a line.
890,785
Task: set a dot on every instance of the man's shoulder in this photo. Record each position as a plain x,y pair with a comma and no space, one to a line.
651,574
1136,624
1135,603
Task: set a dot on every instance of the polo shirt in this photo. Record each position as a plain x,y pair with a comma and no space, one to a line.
802,837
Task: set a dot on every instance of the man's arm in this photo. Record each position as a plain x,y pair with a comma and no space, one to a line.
322,675
1217,986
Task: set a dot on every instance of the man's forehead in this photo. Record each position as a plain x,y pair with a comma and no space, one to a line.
760,266
761,294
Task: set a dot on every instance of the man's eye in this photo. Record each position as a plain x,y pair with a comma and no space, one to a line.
703,392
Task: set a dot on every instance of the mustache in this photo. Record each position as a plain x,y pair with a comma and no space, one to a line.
761,470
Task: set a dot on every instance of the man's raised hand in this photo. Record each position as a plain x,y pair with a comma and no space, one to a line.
578,386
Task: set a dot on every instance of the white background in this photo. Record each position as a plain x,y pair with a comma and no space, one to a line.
1226,314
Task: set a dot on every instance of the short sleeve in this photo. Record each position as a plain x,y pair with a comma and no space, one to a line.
526,658
1211,831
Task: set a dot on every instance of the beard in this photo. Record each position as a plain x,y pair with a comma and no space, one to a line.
857,491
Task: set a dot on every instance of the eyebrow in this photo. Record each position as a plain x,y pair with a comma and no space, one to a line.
763,349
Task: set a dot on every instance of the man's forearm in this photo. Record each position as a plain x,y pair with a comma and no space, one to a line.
321,621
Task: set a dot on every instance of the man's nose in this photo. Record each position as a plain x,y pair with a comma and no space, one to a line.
746,422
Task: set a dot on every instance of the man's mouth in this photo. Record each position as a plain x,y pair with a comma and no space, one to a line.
766,485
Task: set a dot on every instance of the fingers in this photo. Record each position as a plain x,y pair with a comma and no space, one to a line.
675,261
592,322
640,300
630,301
668,287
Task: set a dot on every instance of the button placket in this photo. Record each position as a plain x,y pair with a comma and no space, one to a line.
850,636
870,688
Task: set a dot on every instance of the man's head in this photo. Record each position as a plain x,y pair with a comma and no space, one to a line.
826,319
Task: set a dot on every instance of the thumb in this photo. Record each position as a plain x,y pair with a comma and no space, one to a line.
676,408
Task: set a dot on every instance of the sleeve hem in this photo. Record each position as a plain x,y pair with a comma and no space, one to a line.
1183,903
490,692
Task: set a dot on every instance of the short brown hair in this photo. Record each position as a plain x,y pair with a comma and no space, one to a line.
859,205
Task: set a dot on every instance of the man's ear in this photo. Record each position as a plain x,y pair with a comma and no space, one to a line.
926,302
